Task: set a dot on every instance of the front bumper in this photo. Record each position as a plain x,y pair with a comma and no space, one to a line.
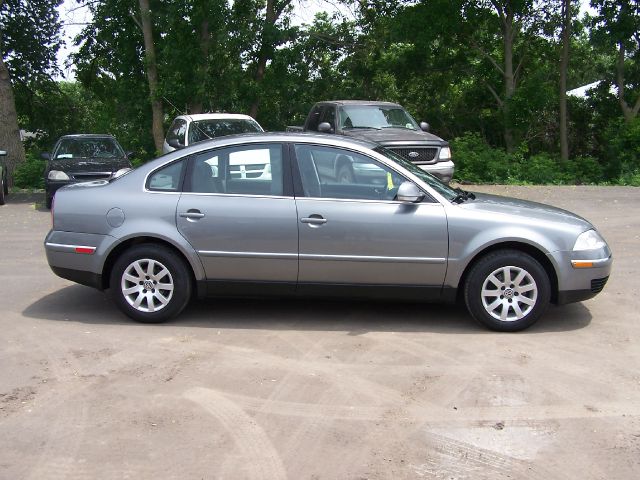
442,170
581,275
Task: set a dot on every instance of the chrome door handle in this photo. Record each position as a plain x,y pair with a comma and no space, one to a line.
192,214
318,220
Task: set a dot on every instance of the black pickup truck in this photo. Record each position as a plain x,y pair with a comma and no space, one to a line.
389,125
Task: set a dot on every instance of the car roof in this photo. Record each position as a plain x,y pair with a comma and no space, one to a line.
216,116
291,137
361,102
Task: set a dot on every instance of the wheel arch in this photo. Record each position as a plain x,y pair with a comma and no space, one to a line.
527,248
133,241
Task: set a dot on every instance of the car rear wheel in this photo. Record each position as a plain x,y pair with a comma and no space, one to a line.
507,290
150,283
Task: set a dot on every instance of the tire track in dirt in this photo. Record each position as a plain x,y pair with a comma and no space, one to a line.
250,438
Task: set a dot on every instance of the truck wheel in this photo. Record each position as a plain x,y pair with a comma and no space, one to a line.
507,290
2,190
150,283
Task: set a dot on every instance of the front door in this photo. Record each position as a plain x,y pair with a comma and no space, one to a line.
354,233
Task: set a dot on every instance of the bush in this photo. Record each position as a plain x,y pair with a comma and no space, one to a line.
477,162
541,169
30,174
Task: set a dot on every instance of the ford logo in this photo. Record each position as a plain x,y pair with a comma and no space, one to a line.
414,154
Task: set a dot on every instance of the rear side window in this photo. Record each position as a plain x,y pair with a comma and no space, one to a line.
166,179
243,170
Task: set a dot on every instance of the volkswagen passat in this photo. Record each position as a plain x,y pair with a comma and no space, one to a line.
184,225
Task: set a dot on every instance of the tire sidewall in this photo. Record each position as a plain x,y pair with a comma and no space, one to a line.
2,191
488,264
178,270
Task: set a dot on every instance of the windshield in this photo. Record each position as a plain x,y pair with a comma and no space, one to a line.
375,116
104,148
445,190
205,129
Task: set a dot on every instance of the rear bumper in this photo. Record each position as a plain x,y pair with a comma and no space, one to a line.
68,257
82,277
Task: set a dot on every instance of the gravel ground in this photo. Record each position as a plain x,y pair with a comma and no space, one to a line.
258,389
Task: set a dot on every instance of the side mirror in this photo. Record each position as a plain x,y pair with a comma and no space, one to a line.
46,155
325,127
175,143
131,154
2,153
409,192
424,126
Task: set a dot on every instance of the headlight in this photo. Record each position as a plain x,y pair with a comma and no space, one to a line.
589,240
121,172
445,154
58,175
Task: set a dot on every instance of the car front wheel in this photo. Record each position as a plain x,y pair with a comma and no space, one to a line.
507,290
150,283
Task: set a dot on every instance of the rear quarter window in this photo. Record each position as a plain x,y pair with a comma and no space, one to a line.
167,178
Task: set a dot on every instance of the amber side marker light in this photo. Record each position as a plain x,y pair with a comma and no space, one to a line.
581,264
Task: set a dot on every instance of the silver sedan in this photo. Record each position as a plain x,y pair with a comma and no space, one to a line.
269,214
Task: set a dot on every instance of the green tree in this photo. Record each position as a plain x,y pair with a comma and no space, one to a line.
29,41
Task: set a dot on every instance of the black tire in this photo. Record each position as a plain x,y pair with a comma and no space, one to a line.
345,175
178,275
5,186
507,306
2,190
48,201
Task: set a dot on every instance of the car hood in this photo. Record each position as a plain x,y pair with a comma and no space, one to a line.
391,136
89,164
526,210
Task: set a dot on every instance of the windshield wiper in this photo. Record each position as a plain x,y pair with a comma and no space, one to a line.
399,126
462,195
361,127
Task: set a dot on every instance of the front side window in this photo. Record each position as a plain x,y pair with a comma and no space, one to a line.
314,119
177,131
443,189
328,172
166,179
329,116
200,130
242,170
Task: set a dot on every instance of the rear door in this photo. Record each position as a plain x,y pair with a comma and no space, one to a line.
238,212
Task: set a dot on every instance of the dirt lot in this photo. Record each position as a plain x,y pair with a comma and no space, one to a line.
316,389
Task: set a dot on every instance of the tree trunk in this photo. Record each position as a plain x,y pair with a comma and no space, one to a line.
628,112
509,78
152,75
564,67
9,130
271,17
